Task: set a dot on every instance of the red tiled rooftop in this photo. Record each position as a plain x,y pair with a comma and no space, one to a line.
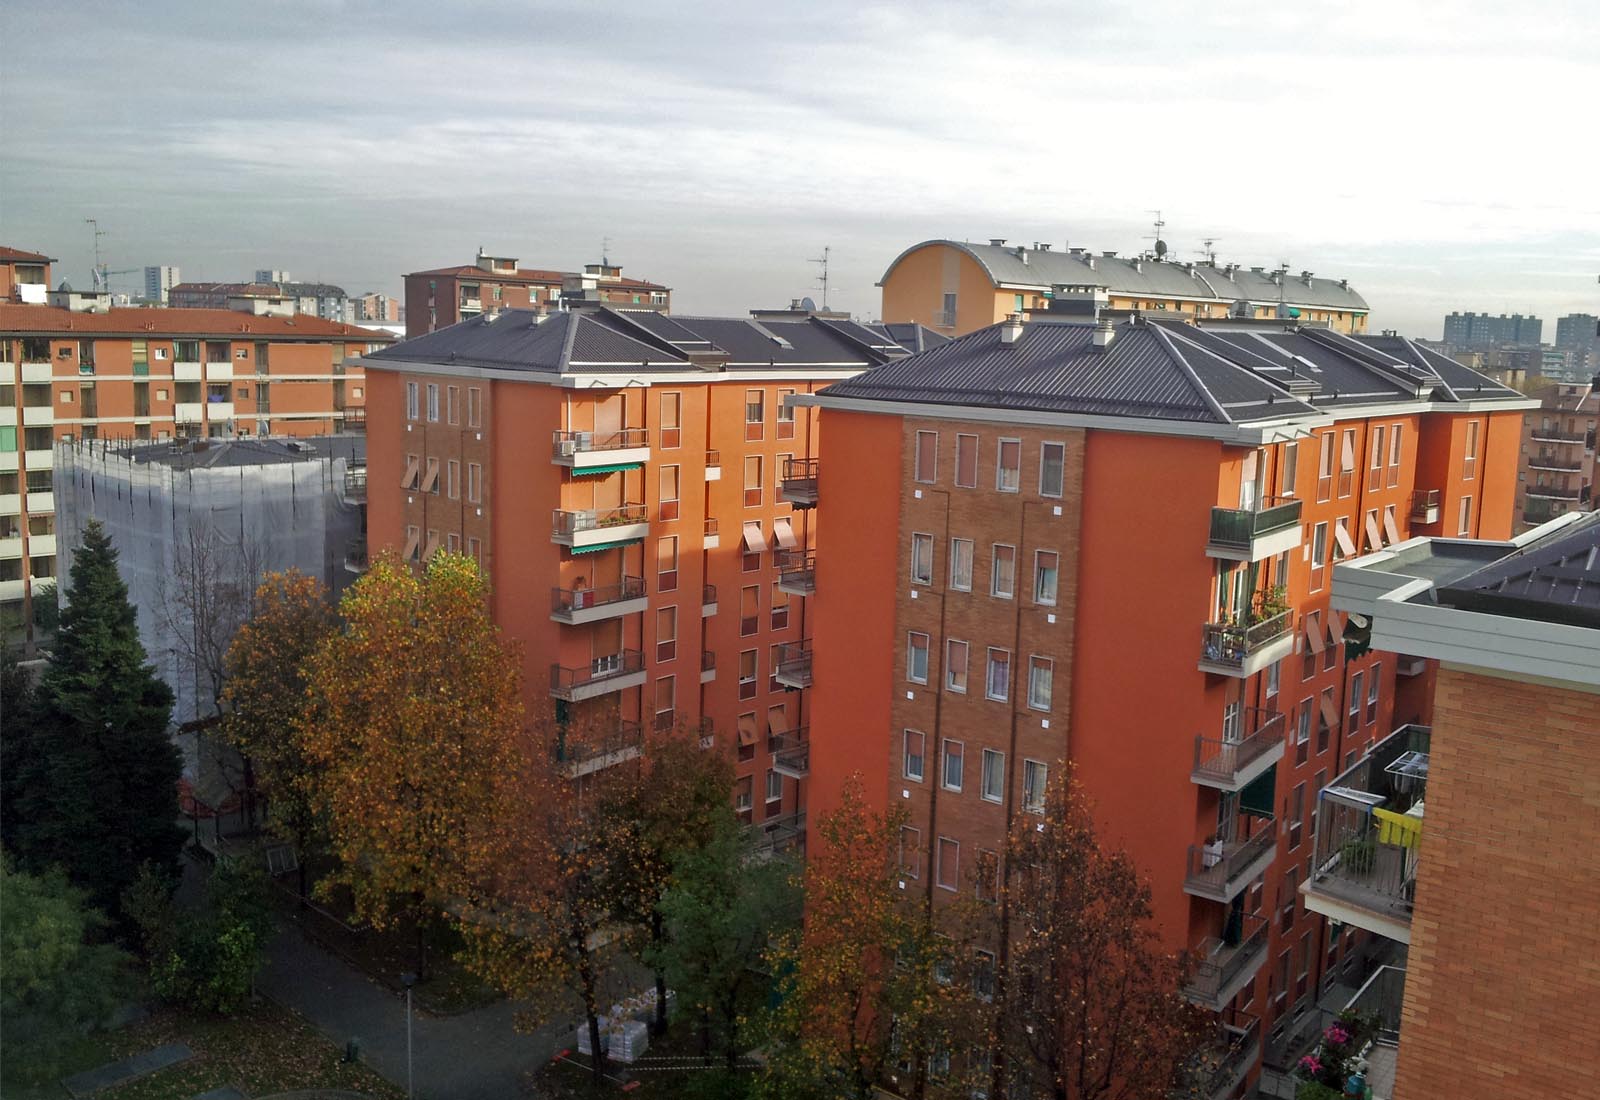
529,275
9,255
47,320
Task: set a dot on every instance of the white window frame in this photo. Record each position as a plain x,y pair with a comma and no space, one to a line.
988,675
1048,666
413,401
1061,486
994,571
927,651
945,758
993,769
921,538
1036,577
957,548
905,756
1035,781
1000,467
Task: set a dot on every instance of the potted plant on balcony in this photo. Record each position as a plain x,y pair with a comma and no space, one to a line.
1358,854
1271,602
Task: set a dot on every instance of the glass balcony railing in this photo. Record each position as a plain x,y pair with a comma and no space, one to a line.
1238,528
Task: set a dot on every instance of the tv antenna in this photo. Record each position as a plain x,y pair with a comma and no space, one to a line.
605,248
1210,252
1159,250
822,283
101,281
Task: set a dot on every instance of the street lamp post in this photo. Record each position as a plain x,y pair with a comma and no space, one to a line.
408,980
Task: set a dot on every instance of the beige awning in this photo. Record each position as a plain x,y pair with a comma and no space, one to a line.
431,478
409,478
747,729
1329,714
783,534
1342,536
1335,628
1347,456
1374,539
1313,625
754,541
777,722
412,539
1389,525
433,546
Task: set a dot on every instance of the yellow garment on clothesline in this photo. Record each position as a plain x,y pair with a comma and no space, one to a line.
1398,829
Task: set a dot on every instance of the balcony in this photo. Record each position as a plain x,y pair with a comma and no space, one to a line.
1235,649
1226,965
1222,869
187,372
1553,462
1244,534
708,666
38,416
355,555
601,452
779,834
355,418
599,528
713,465
1369,832
581,756
1556,435
1425,506
602,676
355,482
791,753
1224,1062
799,484
1553,492
794,665
1230,765
712,538
708,601
576,606
797,572
188,412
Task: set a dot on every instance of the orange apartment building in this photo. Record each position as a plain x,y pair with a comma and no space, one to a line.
1559,463
443,296
1112,544
103,373
24,276
617,472
1475,840
956,287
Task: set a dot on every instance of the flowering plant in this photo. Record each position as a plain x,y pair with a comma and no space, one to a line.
1311,1064
1336,1035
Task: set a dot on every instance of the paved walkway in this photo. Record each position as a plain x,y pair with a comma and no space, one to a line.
478,1055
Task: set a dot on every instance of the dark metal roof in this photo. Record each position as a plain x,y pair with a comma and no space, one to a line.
1555,579
911,336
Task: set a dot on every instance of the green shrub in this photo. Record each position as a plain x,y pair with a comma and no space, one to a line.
206,958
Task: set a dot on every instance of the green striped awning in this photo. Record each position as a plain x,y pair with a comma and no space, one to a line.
1260,794
599,546
585,471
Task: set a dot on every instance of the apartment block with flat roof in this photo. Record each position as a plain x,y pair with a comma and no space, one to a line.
1111,545
1559,464
442,296
24,275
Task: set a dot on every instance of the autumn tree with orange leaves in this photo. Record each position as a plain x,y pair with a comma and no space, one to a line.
415,720
265,692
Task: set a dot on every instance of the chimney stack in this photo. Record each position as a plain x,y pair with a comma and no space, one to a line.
1104,333
1011,330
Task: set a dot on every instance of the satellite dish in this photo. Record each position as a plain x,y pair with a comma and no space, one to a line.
807,304
1161,248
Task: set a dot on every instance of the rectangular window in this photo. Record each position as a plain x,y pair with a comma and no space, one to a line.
926,467
1396,451
1357,682
755,414
1046,564
1041,676
1469,459
1052,469
749,610
741,796
955,665
774,786
910,852
749,674
961,564
474,407
921,559
1374,679
1035,778
475,549
915,747
780,607
666,703
671,426
1302,732
1464,527
994,776
950,777
667,564
1274,671
667,508
1325,467
949,875
1290,468
413,400
983,975
666,634
916,657
452,404
752,481
1347,463
966,461
1003,572
1319,556
433,401
1008,466
997,684
474,482
785,414
1327,719
1297,813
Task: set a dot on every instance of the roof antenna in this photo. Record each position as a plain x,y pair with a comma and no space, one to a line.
1210,252
605,247
822,283
1160,249
101,280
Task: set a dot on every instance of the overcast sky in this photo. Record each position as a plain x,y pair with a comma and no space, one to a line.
1439,156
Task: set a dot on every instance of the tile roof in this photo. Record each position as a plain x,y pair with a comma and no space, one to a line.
9,255
1554,579
52,320
1015,265
532,275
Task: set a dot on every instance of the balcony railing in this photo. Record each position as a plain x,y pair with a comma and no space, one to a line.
1425,506
791,753
708,600
1229,765
1226,964
1231,645
794,664
355,482
1553,492
1222,869
797,572
1369,831
585,755
777,834
1555,435
573,605
567,446
799,483
355,555
589,526
1240,529
600,675
1552,462
1224,1062
355,418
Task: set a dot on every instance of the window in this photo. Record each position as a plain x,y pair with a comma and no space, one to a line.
1376,457
1041,674
916,657
1327,718
1046,564
752,481
1325,467
955,665
961,564
1297,814
921,559
966,461
1319,556
1469,459
452,479
1003,572
1464,527
926,467
1356,699
983,975
997,684
1289,469
947,317
666,633
666,703
413,543
994,776
742,796
748,673
671,427
433,401
910,852
1052,469
1302,732
1396,451
949,872
915,747
474,407
452,542
755,414
1008,467
1286,898
452,404
749,610
430,477
474,482
785,414
1035,778
667,564
408,478
1273,671
1374,678
1347,463
780,607
950,777
667,508
413,400
774,786
474,548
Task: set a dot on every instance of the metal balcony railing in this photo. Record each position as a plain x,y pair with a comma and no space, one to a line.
355,482
1222,963
1425,505
799,482
708,595
1553,492
791,753
797,571
564,681
1218,760
794,664
708,660
355,555
1554,462
1556,435
567,444
591,752
1218,870
1237,527
777,834
1217,1070
355,417
568,600
565,524
1231,643
713,458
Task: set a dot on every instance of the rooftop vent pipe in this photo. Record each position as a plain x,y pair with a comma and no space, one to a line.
1104,333
1011,330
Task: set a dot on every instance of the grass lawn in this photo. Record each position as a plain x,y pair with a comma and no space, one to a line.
263,1050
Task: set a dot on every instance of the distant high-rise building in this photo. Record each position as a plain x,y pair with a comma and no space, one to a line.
1481,330
1580,333
268,275
158,281
377,307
